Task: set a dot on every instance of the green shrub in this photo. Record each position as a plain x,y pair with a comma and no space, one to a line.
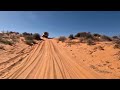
45,35
30,42
71,36
85,35
82,34
25,33
14,38
89,36
117,44
115,37
62,38
36,36
27,37
96,35
90,42
6,42
106,38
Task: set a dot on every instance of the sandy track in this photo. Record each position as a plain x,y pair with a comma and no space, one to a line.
46,61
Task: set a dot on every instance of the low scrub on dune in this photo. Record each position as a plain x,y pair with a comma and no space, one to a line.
28,37
29,40
96,35
36,36
15,38
62,38
10,37
115,37
106,38
117,44
90,36
27,34
6,42
71,37
83,34
90,42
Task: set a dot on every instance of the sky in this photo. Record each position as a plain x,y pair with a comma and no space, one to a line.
61,23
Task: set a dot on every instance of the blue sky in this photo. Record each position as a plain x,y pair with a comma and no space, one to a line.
59,23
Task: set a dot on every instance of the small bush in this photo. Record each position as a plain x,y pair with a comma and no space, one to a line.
45,34
106,38
36,36
28,34
82,34
28,37
90,42
117,44
85,35
89,36
6,42
71,36
96,35
30,42
62,38
115,37
14,38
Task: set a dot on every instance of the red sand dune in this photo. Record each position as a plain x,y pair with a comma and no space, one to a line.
46,60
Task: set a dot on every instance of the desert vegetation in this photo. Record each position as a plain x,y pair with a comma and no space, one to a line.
117,44
36,36
90,42
29,40
5,41
10,38
71,37
62,38
92,38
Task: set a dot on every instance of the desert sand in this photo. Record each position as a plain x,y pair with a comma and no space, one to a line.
45,60
50,59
